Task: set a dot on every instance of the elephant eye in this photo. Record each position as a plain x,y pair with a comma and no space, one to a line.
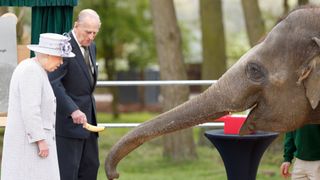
255,72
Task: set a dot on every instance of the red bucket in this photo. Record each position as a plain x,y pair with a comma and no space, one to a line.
232,123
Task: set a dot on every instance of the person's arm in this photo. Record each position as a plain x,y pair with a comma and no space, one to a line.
289,146
64,100
289,149
43,148
30,92
284,169
79,117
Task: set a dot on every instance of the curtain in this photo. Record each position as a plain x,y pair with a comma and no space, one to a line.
55,19
32,3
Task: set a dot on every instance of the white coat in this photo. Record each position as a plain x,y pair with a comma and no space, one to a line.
31,117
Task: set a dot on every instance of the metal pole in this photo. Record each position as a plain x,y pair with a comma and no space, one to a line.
155,83
132,125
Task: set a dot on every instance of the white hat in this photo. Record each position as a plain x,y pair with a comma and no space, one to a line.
53,44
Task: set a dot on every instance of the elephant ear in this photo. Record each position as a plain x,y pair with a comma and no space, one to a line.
310,75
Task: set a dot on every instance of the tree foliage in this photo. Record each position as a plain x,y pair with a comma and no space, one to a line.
125,33
125,36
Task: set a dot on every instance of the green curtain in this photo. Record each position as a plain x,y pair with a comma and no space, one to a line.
32,3
55,19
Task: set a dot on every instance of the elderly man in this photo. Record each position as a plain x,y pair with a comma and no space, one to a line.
73,84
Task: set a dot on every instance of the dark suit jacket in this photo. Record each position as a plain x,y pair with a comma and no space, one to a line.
73,90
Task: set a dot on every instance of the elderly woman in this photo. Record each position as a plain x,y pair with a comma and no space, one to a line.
29,147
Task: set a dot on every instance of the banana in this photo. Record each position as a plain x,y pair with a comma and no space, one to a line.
93,128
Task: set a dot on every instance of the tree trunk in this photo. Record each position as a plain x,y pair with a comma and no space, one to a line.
179,145
213,45
302,2
20,11
254,22
110,67
109,59
213,41
285,7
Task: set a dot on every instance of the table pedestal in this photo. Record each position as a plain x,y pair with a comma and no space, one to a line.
241,154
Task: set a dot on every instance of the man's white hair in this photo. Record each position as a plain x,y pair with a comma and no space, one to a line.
87,13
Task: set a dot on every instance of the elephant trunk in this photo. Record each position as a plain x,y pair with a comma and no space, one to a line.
207,106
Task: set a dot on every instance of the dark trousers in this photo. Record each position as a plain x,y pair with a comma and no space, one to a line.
78,158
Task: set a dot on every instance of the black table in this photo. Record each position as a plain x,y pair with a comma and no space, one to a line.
241,154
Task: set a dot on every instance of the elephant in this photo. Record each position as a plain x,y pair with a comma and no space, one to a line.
277,81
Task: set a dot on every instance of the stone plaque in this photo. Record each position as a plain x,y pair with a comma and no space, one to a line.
8,56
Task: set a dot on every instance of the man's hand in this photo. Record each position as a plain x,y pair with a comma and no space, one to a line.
79,117
284,169
43,148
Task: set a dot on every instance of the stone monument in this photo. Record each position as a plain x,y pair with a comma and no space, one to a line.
8,56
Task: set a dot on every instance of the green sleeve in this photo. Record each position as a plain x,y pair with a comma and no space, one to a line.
289,146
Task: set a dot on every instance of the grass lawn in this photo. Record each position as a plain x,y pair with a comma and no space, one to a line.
146,162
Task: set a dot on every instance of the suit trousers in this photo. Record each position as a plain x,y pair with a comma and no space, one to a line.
78,158
306,170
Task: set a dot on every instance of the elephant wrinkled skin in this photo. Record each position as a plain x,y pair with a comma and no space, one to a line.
278,80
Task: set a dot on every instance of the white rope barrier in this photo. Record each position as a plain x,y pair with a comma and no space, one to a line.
132,125
155,83
145,83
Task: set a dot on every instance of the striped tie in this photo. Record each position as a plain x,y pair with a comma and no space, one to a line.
87,61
